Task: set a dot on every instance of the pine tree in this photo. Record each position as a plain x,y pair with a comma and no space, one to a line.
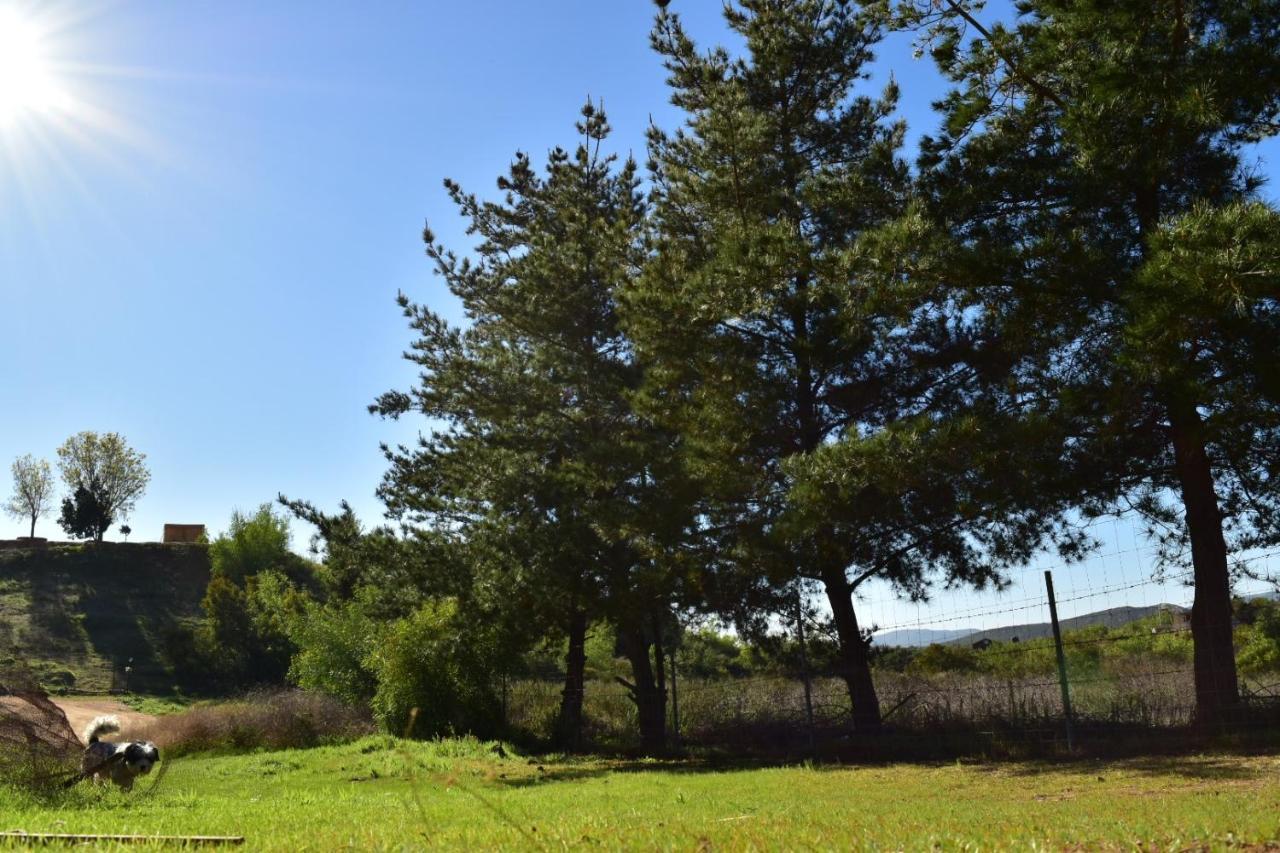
824,453
1088,217
541,472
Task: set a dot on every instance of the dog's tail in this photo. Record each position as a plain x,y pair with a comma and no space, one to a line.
103,725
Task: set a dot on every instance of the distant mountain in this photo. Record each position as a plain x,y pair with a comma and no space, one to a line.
1116,617
913,637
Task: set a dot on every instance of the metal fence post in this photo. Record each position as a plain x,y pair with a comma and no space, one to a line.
1062,660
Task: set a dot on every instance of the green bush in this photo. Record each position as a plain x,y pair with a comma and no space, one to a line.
1259,643
444,668
252,544
709,653
434,659
936,658
334,641
244,639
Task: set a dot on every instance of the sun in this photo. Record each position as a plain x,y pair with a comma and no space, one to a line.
28,83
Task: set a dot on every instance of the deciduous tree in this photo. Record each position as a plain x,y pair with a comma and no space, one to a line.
33,490
106,467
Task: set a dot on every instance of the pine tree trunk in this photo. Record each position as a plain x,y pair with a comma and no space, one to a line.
660,672
855,664
569,723
1217,689
651,702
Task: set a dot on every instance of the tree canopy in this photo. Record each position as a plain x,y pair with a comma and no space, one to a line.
1089,220
33,490
105,467
788,361
561,498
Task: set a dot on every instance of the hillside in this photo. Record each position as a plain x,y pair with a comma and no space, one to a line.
1114,618
916,637
78,613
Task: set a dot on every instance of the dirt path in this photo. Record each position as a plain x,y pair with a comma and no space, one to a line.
80,712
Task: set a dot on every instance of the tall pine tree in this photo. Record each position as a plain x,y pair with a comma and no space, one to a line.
540,471
1089,218
780,352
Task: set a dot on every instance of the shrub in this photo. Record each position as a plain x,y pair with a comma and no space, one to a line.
334,643
243,640
445,668
708,653
257,543
1259,643
937,658
434,660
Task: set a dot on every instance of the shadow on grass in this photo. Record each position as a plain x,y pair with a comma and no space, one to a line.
1211,768
1217,768
1157,752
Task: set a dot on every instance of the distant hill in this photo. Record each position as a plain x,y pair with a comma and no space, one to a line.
1113,618
912,637
78,613
1116,617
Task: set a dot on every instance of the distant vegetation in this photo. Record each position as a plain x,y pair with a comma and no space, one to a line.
104,478
32,490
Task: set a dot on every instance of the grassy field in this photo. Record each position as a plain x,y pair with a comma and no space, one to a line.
381,793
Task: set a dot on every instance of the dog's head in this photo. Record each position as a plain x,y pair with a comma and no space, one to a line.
141,756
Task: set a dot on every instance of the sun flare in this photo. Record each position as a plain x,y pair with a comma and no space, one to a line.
28,83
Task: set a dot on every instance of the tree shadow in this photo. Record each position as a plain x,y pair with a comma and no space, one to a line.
1225,766
105,606
53,627
1159,753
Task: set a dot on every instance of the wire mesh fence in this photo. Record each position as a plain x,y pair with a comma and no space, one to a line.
986,660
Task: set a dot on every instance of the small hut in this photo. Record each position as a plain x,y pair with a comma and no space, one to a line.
183,534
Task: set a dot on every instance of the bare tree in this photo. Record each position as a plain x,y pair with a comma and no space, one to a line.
32,490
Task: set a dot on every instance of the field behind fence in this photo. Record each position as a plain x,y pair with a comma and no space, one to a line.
982,662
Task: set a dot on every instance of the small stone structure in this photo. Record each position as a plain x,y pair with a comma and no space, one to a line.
183,534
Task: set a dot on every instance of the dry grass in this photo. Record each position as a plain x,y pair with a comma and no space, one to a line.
769,712
279,719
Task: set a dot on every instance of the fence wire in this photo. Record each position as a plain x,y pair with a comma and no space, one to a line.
980,660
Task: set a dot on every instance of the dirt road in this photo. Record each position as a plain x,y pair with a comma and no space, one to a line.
81,711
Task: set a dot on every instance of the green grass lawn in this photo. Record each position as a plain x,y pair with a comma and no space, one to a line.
382,793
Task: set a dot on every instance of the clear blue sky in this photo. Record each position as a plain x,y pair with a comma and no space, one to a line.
203,255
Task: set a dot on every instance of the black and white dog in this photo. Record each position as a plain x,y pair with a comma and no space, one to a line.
119,762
